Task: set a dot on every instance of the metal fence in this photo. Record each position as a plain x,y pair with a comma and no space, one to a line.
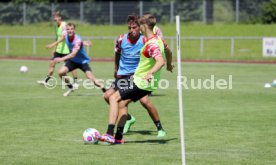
192,47
228,11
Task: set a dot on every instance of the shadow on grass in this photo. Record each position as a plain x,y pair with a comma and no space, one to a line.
153,141
155,95
87,94
142,132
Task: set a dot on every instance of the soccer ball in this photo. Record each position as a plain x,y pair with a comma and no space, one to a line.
23,69
90,135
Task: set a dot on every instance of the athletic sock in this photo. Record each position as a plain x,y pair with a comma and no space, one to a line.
119,133
110,129
129,117
47,78
70,86
103,90
158,125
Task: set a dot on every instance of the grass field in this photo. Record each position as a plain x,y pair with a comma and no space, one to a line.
103,48
223,127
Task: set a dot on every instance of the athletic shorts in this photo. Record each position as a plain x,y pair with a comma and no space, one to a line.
131,91
121,82
73,65
56,55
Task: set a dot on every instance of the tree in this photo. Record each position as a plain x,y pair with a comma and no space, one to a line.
269,12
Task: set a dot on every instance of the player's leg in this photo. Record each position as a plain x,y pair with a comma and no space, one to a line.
128,94
88,72
148,105
117,112
68,67
130,121
122,118
114,87
51,69
75,77
121,84
108,93
113,115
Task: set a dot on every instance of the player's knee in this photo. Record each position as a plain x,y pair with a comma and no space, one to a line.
107,96
52,63
61,73
144,102
114,98
108,93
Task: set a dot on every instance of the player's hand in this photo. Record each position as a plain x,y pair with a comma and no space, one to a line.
58,59
149,77
87,43
49,46
170,67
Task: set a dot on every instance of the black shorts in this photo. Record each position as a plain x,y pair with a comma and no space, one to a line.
56,55
121,82
73,65
131,91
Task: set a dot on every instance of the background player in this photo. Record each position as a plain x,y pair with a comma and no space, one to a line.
77,59
146,78
60,50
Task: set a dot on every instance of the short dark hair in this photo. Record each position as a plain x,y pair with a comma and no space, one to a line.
133,18
57,13
71,24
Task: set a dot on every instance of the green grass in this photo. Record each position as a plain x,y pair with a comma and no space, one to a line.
214,49
225,127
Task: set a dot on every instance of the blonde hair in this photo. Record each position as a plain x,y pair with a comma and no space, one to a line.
149,20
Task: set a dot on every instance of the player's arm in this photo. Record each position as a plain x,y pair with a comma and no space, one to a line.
168,54
55,43
87,43
69,56
116,63
155,53
160,62
168,51
117,50
77,46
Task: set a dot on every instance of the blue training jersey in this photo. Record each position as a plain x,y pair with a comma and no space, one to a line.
130,56
77,43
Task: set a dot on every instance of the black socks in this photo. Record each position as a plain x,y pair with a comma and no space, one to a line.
128,117
119,133
110,129
158,125
47,78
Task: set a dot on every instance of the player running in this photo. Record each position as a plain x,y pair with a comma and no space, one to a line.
60,50
76,59
127,55
143,82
